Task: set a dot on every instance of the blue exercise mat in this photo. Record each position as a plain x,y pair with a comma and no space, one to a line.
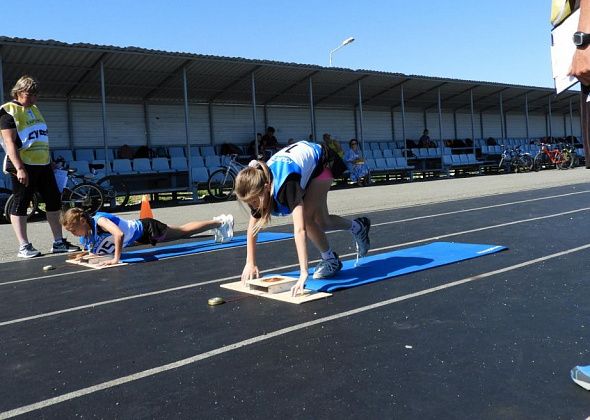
162,252
391,264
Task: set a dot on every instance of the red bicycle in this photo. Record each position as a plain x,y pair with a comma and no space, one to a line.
547,156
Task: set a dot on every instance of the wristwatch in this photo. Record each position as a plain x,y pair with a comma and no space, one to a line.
581,39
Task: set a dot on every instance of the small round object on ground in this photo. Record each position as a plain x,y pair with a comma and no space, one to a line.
215,301
48,267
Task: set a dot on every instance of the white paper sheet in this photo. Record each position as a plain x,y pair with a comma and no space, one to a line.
562,52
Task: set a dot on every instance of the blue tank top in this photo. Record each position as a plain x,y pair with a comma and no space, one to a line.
101,242
301,158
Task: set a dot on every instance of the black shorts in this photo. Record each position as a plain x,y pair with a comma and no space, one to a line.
41,180
154,231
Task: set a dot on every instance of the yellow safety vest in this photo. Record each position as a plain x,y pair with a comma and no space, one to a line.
560,9
32,131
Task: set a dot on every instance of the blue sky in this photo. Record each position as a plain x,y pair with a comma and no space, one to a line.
496,41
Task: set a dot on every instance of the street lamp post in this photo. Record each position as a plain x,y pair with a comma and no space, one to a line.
344,43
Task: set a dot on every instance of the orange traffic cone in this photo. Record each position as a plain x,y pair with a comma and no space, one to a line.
146,210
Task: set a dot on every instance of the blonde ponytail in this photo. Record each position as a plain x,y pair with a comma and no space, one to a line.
252,183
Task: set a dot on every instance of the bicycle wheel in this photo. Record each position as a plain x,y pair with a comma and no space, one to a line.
86,196
221,184
566,161
31,209
538,161
115,191
526,162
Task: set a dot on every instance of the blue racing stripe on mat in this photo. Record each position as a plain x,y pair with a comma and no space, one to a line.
391,264
162,252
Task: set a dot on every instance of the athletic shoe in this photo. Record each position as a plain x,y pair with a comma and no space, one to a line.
327,268
581,376
225,232
361,238
27,251
63,246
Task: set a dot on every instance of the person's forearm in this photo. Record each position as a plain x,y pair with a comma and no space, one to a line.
251,242
301,246
118,247
584,23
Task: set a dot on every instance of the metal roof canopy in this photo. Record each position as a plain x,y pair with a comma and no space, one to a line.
72,72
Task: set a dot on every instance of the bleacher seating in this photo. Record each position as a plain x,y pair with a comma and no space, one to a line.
212,162
197,161
208,151
84,154
176,151
100,154
141,165
178,164
122,167
161,165
81,166
65,154
199,175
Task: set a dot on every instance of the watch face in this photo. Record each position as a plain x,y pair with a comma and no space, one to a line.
578,38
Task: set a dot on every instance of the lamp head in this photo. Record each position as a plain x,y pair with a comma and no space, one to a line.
347,41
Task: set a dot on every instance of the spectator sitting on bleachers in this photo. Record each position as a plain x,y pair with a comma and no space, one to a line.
490,141
270,141
261,148
230,149
425,141
356,164
125,152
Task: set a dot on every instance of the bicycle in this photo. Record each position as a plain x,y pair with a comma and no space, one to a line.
78,192
515,159
221,182
562,159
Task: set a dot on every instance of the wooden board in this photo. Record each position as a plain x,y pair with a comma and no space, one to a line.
92,261
272,284
307,296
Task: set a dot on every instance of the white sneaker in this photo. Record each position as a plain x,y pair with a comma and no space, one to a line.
28,251
225,232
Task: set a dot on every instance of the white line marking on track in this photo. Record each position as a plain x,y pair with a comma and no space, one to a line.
275,269
267,336
376,224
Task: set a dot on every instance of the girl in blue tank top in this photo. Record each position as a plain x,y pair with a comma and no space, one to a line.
296,181
106,233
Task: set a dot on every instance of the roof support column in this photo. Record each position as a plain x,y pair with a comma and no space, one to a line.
211,127
146,124
187,133
361,114
403,120
571,123
1,81
526,114
550,120
254,122
265,113
103,99
70,124
472,122
455,124
440,132
311,111
502,122
392,125
481,124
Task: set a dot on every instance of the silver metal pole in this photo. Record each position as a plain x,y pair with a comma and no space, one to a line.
253,80
392,126
146,124
311,111
526,114
187,131
440,132
104,118
404,122
361,114
502,122
472,122
550,120
211,127
571,122
70,125
1,81
481,124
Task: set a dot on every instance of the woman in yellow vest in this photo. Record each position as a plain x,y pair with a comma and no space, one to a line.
24,139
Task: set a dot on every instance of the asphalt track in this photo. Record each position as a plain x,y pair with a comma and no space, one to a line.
493,337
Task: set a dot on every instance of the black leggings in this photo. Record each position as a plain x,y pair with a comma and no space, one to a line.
41,180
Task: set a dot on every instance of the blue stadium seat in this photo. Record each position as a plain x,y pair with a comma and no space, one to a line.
176,151
66,154
160,164
122,166
178,164
141,165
